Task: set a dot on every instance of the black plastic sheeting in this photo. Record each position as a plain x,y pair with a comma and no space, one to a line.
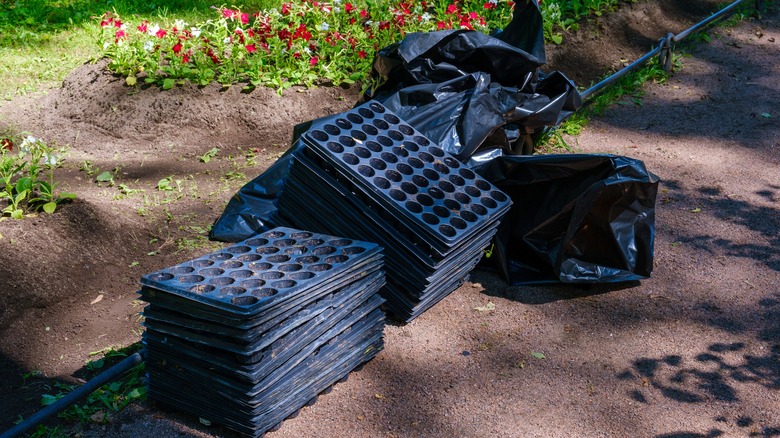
576,218
481,98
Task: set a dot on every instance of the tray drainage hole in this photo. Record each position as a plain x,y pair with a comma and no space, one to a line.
398,195
202,288
413,207
335,147
354,118
352,250
390,118
323,250
381,124
441,168
292,267
449,161
362,152
244,273
331,129
365,112
425,156
462,198
351,159
377,107
307,259
382,183
374,146
431,174
278,258
469,216
358,135
275,234
441,211
400,151
312,242
222,281
220,256
406,129
394,175
385,141
447,230
284,284
267,250
420,181
248,258
284,242
395,135
303,275
366,171
347,141
182,270
436,193
160,277
408,188
436,151
211,272
191,278
370,130
457,180
425,200
244,300
201,263
253,283
446,186
321,267
412,146
473,192
482,184
270,275
488,202
422,141
404,168
387,157
343,124
336,259
478,209
265,292
452,205
319,135
430,218
259,266
416,163
239,249
467,173
498,196
458,223
377,164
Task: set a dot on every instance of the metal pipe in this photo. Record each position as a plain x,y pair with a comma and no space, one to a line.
75,395
620,73
706,21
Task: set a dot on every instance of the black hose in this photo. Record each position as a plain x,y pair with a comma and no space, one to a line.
75,395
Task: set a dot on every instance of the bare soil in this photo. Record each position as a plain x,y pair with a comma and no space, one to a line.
693,351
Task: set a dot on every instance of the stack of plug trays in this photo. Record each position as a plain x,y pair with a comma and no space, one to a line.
368,175
246,336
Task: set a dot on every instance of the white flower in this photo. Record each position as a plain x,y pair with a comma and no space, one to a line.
148,46
105,45
426,17
324,26
495,2
153,29
179,24
226,40
307,50
336,9
195,32
50,159
123,26
336,1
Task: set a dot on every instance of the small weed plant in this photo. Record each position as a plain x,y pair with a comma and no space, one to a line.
27,181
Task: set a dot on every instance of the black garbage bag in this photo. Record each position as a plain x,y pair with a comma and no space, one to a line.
575,218
464,90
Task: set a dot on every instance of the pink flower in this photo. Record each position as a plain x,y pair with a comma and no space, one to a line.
143,26
441,25
363,13
250,48
177,48
161,33
349,7
244,18
473,15
120,34
452,9
313,61
285,8
228,13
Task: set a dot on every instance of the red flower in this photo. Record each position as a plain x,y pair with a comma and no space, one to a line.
348,7
143,26
285,8
228,13
177,48
297,55
119,35
441,25
452,9
363,13
313,61
6,144
362,54
473,15
117,23
161,33
250,48
352,20
185,58
244,18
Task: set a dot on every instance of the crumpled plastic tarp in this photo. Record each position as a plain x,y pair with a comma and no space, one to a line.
481,98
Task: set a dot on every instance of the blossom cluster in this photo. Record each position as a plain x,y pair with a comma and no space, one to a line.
300,42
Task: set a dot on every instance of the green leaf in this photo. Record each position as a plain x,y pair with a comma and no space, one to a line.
67,195
766,115
47,399
136,393
23,184
105,177
168,84
696,210
209,155
49,207
537,355
131,81
557,38
17,214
